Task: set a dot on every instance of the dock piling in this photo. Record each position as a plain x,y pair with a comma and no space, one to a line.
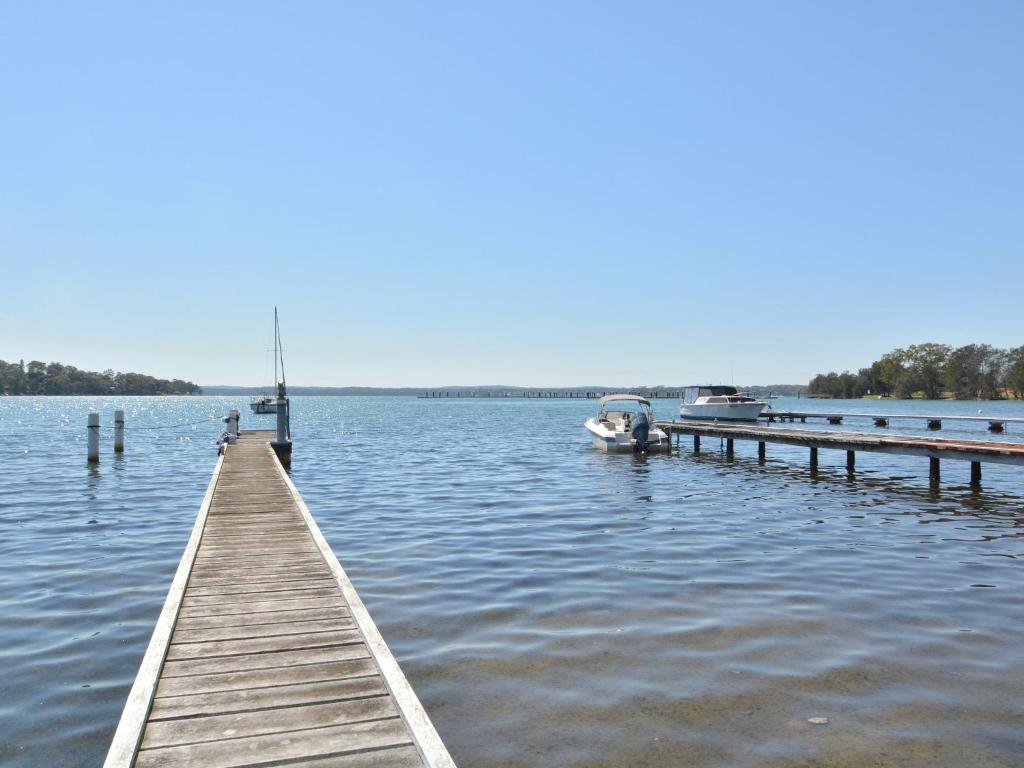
283,444
119,431
728,449
814,459
851,461
93,431
760,452
933,470
696,443
976,474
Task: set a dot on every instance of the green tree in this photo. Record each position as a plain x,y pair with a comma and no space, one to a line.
1013,375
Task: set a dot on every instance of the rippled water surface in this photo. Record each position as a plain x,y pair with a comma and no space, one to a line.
551,605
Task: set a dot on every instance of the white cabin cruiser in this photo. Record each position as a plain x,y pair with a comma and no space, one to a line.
719,402
620,428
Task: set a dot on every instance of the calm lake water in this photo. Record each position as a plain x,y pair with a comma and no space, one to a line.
551,605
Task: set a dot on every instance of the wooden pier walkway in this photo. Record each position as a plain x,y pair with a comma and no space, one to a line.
264,654
934,449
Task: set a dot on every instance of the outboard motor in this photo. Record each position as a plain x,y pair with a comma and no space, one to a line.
641,429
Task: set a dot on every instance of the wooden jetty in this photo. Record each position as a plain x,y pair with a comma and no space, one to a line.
934,449
264,654
995,423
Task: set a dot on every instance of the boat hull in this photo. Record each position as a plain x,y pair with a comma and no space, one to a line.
622,442
263,407
721,411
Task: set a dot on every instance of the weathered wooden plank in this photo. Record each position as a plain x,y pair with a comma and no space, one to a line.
246,598
256,631
285,659
310,581
257,678
256,699
391,757
294,642
270,617
258,606
235,753
281,720
266,571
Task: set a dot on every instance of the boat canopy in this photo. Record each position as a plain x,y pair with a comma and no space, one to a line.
634,398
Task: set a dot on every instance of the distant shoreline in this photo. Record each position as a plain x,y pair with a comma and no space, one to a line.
479,391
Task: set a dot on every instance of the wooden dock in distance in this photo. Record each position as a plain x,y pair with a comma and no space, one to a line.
264,654
995,423
934,449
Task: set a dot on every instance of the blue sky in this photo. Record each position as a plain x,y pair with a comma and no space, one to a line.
525,193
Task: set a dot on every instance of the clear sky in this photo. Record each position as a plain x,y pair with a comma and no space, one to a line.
520,193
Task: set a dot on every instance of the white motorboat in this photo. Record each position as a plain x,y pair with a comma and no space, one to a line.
719,402
621,428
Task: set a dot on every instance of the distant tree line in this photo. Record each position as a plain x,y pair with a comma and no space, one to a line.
974,371
38,378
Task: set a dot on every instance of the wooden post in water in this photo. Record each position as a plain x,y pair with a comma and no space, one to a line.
93,450
933,470
851,461
814,458
119,431
728,448
760,452
696,443
975,474
283,444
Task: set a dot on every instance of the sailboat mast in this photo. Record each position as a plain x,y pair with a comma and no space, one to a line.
279,346
275,348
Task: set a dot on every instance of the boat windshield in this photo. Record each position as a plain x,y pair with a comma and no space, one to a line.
690,394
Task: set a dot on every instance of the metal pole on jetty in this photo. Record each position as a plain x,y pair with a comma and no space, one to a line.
93,450
119,431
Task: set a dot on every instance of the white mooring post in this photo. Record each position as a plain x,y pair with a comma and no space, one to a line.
282,420
94,437
118,431
233,418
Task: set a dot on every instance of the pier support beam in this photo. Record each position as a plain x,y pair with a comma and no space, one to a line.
93,449
933,470
728,449
696,443
975,474
119,431
814,458
851,461
760,452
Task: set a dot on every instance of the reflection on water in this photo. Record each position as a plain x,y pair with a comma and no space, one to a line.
551,604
